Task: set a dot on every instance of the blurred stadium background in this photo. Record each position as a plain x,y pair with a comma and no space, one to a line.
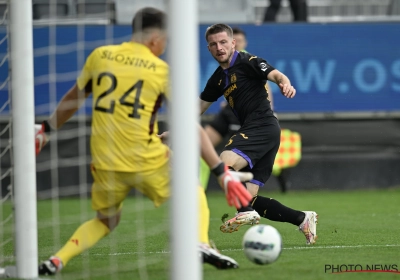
344,62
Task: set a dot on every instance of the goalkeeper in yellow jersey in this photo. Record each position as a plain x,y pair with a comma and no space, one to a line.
129,82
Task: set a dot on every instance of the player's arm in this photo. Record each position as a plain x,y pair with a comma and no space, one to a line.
283,82
270,96
67,107
260,69
230,181
204,105
208,152
213,134
76,96
218,127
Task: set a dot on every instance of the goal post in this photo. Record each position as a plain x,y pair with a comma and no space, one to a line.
184,115
184,261
24,161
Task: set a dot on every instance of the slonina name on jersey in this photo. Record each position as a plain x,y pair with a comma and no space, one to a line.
129,60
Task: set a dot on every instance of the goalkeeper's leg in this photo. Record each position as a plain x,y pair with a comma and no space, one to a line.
108,193
208,254
85,237
204,174
204,217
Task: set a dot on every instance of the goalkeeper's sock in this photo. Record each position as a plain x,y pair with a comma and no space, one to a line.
204,217
87,235
275,211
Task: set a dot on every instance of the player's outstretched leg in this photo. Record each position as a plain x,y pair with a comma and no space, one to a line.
212,256
273,210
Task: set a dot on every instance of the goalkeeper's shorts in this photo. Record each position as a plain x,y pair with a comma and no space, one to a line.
110,188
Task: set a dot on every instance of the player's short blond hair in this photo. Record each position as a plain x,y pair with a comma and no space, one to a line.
218,28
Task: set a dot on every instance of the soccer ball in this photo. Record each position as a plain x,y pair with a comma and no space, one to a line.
262,244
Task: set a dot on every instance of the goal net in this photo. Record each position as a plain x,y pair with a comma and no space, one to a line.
64,34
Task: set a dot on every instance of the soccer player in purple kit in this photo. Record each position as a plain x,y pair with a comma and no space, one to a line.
241,78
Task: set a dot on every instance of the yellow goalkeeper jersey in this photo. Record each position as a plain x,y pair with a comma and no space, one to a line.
128,84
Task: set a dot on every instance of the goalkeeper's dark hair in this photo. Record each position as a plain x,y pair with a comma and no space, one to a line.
149,18
218,28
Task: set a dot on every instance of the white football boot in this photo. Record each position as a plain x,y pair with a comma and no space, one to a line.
309,227
240,219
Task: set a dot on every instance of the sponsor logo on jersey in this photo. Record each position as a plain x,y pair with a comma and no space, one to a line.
229,90
230,101
263,66
233,78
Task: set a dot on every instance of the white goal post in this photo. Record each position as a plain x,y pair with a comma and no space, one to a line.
184,117
24,161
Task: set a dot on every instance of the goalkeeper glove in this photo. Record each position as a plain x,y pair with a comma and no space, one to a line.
41,135
236,194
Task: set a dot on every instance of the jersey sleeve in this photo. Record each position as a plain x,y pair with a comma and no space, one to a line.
85,78
210,92
260,67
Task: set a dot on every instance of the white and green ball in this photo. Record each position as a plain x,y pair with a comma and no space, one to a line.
262,244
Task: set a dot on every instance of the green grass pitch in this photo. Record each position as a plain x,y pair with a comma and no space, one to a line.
355,227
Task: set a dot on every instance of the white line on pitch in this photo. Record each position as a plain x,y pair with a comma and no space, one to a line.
340,247
234,250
